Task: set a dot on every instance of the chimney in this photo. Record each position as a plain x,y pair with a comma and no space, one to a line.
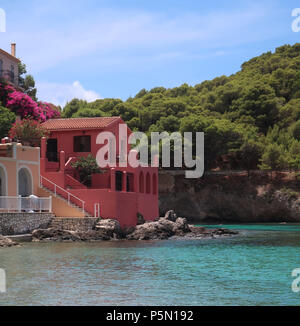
13,49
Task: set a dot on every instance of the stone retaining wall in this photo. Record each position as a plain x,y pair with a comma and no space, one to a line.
22,223
74,224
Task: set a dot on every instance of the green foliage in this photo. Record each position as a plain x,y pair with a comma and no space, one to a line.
273,158
7,118
86,166
255,111
28,132
250,154
27,82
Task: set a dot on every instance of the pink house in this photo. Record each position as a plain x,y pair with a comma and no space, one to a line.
119,193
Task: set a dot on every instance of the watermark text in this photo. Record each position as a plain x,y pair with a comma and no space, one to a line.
2,281
296,282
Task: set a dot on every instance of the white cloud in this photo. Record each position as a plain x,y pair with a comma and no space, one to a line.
60,94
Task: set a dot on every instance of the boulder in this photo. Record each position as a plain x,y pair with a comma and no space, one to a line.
5,242
160,230
151,231
54,235
110,228
171,216
182,226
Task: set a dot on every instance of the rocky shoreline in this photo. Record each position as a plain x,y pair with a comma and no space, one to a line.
6,242
168,227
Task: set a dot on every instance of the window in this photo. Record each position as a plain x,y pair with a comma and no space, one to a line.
1,67
148,186
141,183
12,68
130,182
82,144
119,181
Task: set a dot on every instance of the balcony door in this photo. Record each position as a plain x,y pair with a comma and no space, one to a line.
52,155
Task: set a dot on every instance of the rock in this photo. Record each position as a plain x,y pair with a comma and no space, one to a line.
171,216
160,230
5,242
93,236
54,235
110,228
182,226
222,231
151,231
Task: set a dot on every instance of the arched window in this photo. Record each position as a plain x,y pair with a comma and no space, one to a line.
25,182
148,184
141,183
154,184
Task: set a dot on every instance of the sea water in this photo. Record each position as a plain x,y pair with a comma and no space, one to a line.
252,268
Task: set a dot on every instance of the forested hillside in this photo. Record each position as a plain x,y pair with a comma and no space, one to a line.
251,119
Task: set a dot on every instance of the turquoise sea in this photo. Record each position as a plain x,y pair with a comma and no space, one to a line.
252,268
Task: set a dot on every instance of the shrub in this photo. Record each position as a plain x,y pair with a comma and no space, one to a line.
86,166
28,132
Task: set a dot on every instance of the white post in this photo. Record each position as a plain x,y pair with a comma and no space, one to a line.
50,204
19,203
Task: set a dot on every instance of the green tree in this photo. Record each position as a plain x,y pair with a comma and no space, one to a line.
27,82
86,166
273,158
7,118
72,107
250,154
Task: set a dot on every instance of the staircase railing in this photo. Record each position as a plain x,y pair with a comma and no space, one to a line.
68,197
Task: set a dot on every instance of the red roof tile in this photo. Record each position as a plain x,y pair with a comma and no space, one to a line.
79,123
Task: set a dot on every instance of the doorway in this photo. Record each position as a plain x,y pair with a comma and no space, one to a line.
25,183
52,155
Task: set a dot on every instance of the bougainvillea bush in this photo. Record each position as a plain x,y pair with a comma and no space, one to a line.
28,132
24,106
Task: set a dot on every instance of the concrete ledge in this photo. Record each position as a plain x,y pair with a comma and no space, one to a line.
20,238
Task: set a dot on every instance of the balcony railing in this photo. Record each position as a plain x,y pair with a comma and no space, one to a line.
25,204
9,76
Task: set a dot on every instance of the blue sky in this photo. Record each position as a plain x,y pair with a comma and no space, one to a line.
98,48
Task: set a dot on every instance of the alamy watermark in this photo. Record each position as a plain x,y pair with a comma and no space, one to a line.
2,281
2,21
187,149
296,282
296,21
